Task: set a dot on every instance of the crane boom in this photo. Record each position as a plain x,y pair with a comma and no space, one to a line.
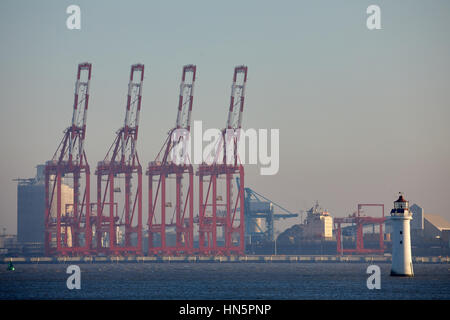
79,116
133,109
230,135
237,98
186,98
185,102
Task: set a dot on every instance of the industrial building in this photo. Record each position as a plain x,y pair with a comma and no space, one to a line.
30,213
436,227
30,208
417,223
9,246
426,226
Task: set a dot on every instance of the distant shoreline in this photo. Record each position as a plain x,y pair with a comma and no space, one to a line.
218,259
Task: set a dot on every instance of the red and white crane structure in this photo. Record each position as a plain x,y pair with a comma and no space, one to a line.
122,215
165,172
216,211
360,221
68,225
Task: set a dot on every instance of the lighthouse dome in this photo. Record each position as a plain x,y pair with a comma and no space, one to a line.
401,206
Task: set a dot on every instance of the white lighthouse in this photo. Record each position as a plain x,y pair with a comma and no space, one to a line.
401,239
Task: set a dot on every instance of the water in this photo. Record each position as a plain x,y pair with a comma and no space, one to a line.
222,281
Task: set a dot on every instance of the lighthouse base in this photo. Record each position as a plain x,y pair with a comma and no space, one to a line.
395,274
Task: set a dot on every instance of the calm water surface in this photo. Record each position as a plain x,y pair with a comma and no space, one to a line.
222,281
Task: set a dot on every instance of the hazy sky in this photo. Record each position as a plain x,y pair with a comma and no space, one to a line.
362,114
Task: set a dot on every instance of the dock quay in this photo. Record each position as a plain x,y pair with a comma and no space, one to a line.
217,259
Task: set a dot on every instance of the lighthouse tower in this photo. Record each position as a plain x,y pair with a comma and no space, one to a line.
401,239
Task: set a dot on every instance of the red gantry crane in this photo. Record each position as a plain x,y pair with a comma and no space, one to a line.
67,210
166,173
360,220
215,210
120,218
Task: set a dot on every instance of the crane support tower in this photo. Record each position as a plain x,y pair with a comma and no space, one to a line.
360,221
119,219
166,176
225,211
67,212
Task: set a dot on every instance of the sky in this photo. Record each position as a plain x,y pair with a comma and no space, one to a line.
362,114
